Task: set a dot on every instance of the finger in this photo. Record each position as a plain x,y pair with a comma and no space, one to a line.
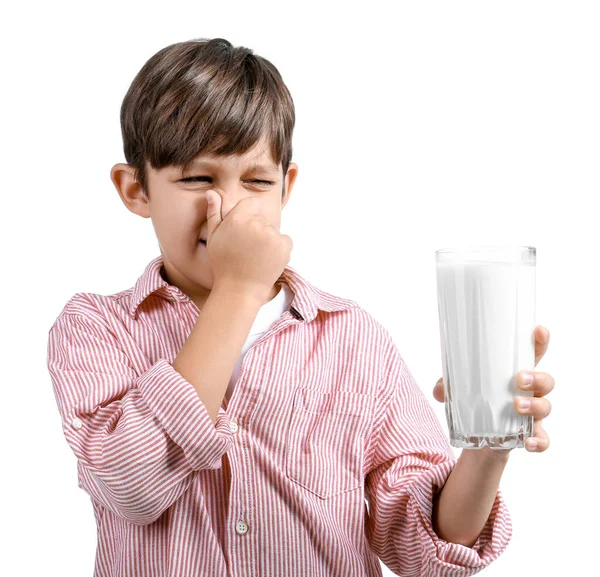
540,436
542,338
213,213
539,408
543,383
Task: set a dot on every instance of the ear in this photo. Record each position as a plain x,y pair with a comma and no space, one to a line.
290,179
129,189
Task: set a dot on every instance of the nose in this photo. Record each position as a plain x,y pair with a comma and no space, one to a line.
230,198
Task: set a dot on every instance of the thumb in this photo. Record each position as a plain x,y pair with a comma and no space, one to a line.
438,391
213,213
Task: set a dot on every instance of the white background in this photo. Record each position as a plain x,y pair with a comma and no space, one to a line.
419,126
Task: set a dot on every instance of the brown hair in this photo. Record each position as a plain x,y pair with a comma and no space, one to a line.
204,96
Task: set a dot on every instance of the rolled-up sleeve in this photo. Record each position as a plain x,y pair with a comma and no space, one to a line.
408,462
138,438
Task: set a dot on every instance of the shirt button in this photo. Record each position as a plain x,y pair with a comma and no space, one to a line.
76,423
233,426
241,527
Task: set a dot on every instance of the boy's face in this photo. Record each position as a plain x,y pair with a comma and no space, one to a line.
177,207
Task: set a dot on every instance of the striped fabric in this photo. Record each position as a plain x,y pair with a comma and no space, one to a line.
325,460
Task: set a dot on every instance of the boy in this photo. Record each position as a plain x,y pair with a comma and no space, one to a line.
229,417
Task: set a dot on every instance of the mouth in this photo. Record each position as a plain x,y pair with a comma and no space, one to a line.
202,241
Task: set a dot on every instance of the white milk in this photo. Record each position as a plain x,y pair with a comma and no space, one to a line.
487,319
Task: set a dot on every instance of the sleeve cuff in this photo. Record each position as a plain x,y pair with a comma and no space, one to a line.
452,558
176,404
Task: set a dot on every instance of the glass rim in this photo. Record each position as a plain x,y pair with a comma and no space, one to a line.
492,248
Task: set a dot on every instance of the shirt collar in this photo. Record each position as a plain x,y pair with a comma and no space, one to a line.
308,299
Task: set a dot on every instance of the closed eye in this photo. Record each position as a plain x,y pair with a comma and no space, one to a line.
208,178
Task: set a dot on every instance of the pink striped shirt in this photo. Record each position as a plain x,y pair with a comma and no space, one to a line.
326,460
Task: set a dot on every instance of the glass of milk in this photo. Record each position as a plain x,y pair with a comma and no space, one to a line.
486,304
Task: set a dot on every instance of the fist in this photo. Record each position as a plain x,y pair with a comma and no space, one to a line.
245,250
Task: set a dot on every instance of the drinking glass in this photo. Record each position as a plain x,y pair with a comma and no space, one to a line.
486,305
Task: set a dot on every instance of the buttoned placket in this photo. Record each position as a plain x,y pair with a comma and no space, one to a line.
236,453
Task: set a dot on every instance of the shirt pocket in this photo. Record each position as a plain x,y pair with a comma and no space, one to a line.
326,440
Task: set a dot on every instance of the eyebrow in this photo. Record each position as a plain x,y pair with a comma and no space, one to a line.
265,167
